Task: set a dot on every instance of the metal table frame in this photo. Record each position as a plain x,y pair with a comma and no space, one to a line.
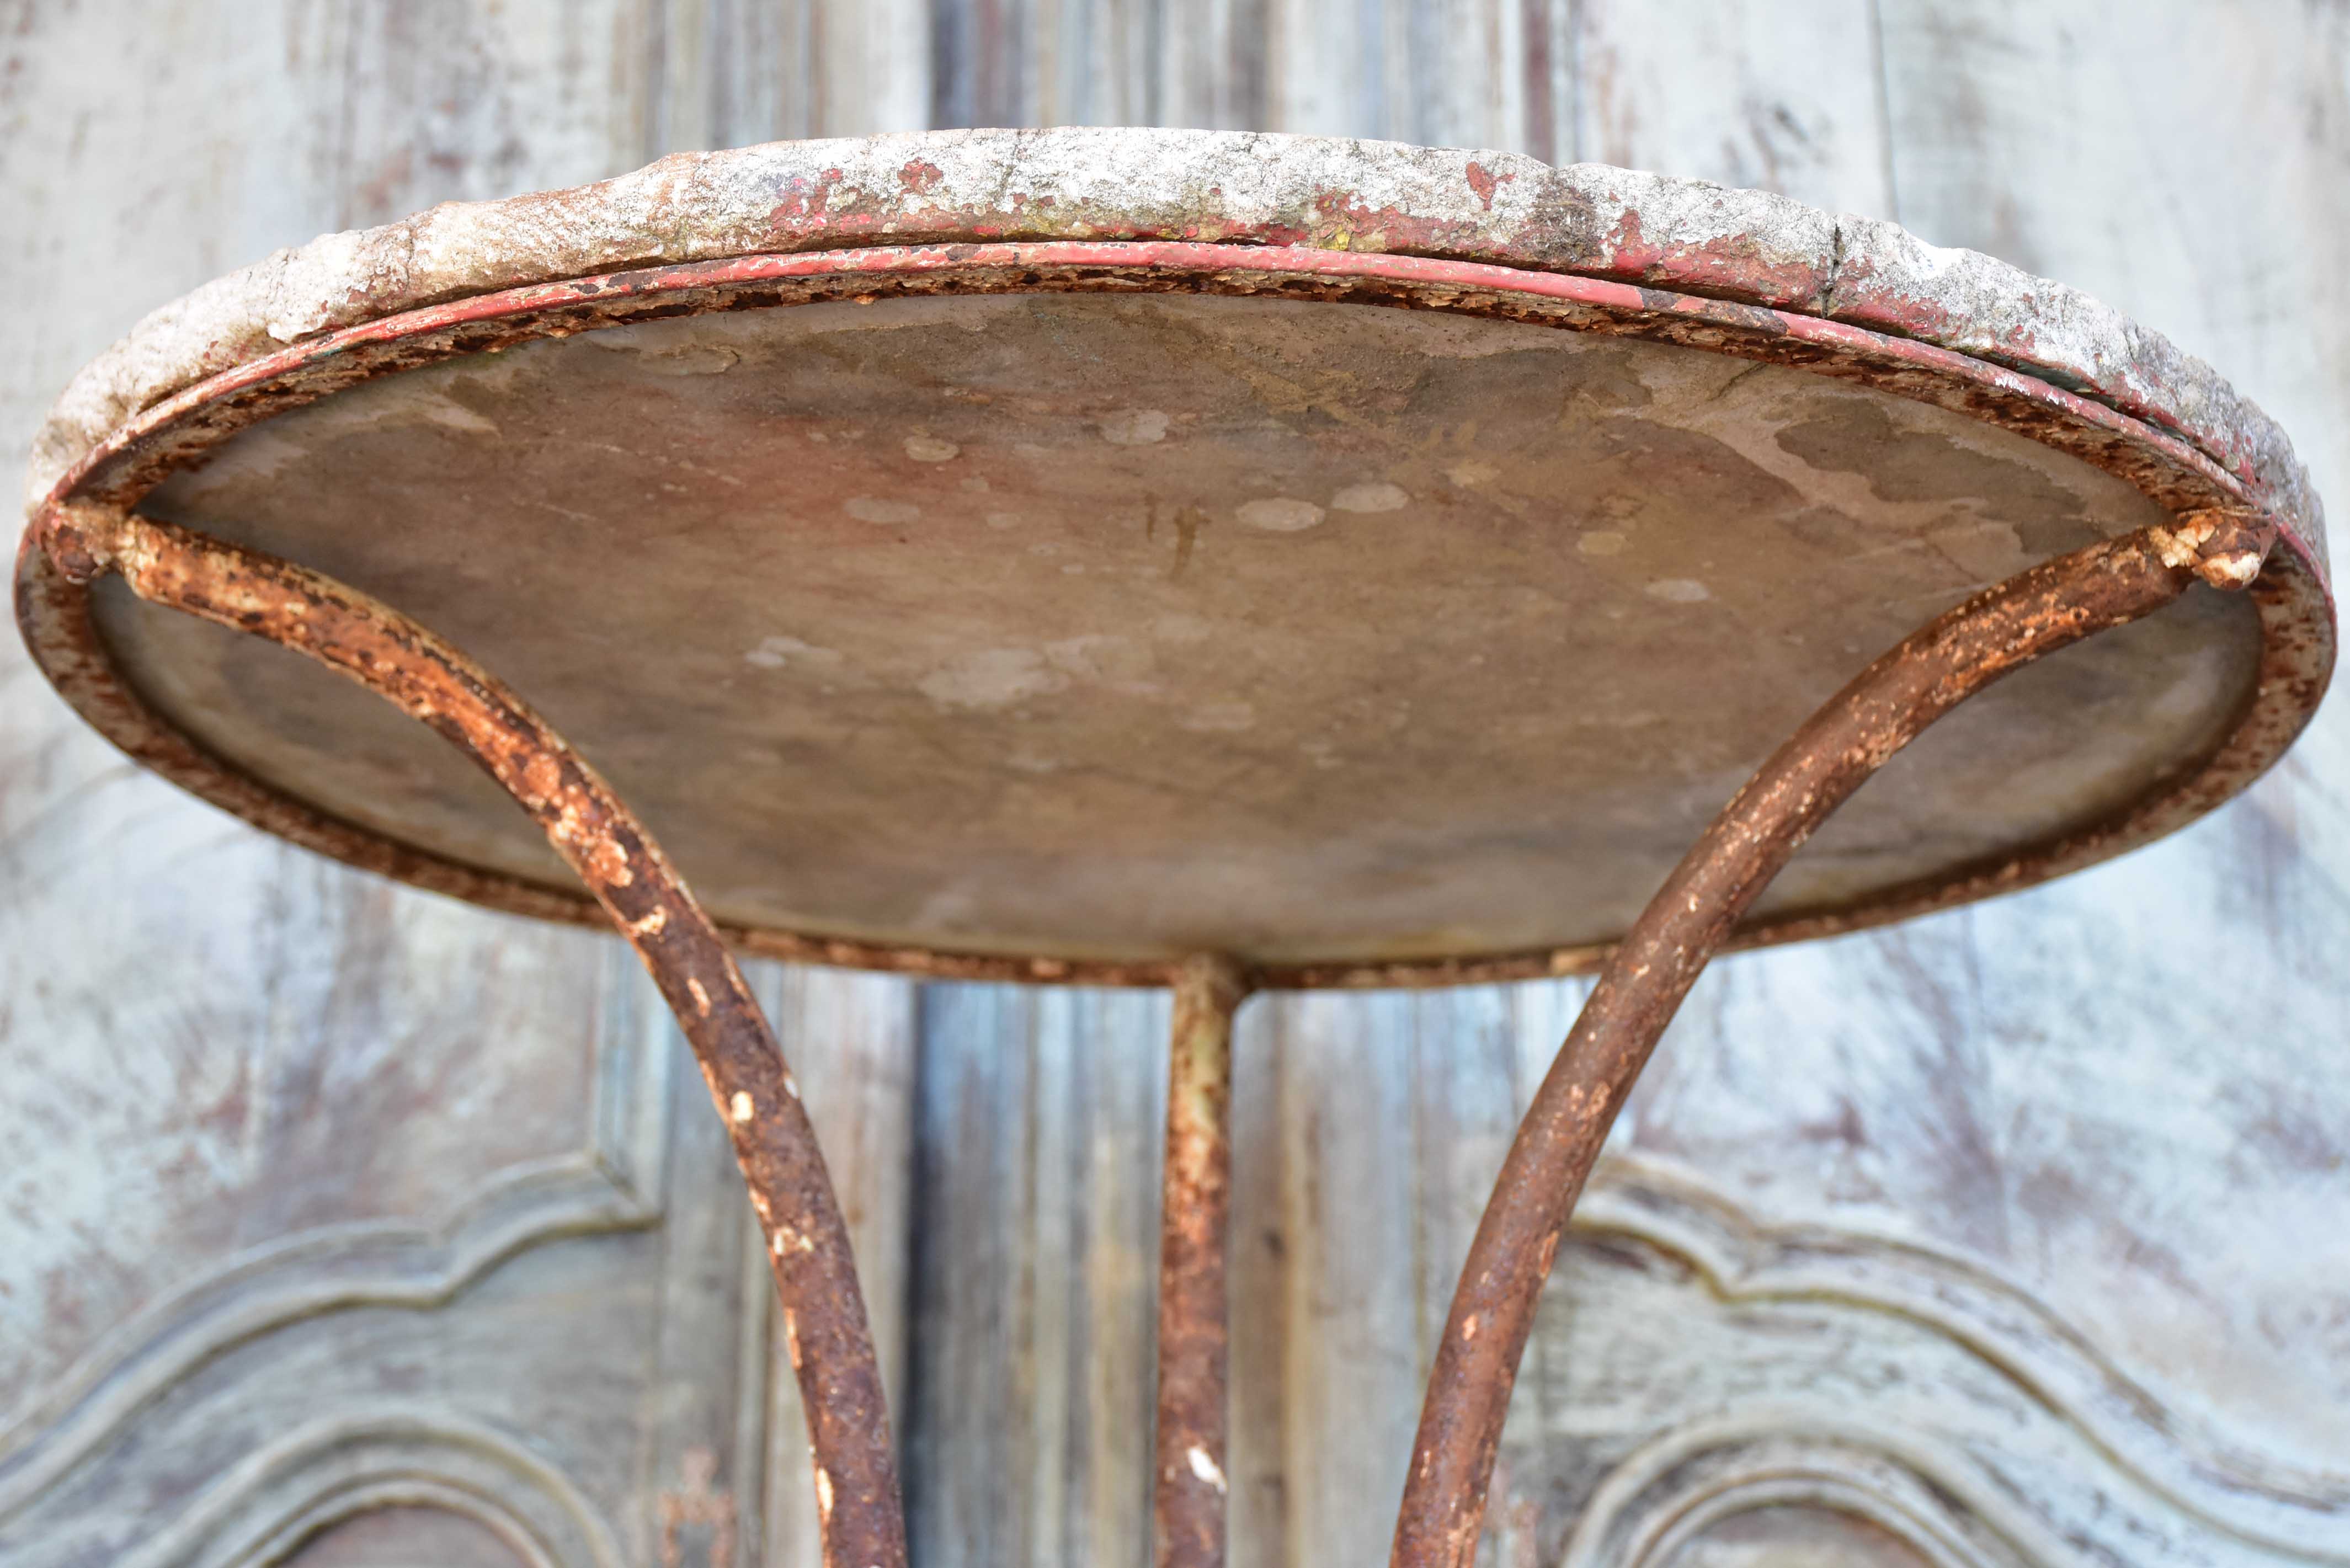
88,528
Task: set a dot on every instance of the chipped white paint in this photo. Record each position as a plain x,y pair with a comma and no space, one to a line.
1204,1467
1134,427
457,417
779,652
993,677
1280,514
1379,496
742,1107
1678,590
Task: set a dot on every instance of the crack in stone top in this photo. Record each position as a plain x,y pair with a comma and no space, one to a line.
1252,187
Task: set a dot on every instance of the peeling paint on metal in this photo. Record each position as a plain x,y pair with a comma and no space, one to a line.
1226,187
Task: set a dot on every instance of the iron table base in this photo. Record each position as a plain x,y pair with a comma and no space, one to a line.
1645,976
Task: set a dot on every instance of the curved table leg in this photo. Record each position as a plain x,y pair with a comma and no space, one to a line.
1189,1496
808,1242
1884,708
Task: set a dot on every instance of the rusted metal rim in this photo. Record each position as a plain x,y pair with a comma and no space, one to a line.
2294,596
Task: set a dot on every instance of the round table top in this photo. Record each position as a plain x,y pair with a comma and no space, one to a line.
1049,554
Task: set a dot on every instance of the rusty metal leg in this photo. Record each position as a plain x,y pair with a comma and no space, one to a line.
1884,708
1188,1503
807,1243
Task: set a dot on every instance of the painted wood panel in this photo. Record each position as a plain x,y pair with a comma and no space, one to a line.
220,1048
1745,93
2195,141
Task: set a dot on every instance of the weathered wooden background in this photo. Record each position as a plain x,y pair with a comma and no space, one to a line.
341,1225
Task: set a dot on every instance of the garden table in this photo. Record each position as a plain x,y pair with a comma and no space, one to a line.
1189,559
